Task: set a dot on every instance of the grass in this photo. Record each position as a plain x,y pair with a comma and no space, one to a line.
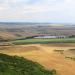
44,41
14,65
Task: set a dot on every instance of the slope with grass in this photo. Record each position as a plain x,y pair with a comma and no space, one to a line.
45,55
14,65
43,41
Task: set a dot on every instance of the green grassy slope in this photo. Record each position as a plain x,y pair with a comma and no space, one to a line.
44,41
14,65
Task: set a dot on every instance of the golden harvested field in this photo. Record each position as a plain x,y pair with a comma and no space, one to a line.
46,55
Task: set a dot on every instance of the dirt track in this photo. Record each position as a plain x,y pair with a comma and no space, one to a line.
45,55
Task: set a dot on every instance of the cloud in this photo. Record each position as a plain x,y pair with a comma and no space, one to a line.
38,10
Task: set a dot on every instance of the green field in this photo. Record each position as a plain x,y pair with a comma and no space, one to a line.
43,41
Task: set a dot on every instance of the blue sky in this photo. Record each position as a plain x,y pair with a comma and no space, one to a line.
54,11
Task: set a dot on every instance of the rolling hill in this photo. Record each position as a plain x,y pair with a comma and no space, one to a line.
22,30
14,65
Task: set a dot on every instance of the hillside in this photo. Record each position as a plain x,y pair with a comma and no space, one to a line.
14,65
46,55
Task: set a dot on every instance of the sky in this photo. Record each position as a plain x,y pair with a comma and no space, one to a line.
52,11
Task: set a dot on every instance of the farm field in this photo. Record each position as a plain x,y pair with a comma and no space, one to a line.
47,55
37,37
43,41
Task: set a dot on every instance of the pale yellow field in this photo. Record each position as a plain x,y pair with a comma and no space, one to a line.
45,55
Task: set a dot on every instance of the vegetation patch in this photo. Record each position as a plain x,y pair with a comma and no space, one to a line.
14,65
72,58
72,49
43,41
59,51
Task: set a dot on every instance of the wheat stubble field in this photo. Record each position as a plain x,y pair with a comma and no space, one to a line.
46,55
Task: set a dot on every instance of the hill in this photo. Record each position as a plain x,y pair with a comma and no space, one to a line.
14,65
48,55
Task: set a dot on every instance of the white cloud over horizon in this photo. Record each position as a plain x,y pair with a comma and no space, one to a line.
38,10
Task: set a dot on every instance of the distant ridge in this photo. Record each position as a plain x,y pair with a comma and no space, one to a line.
37,24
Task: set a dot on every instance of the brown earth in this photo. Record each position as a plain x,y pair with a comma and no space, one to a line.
6,35
45,55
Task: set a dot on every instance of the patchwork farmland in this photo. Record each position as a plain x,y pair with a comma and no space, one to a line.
57,55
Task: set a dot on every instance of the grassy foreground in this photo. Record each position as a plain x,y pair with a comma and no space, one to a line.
43,41
14,65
